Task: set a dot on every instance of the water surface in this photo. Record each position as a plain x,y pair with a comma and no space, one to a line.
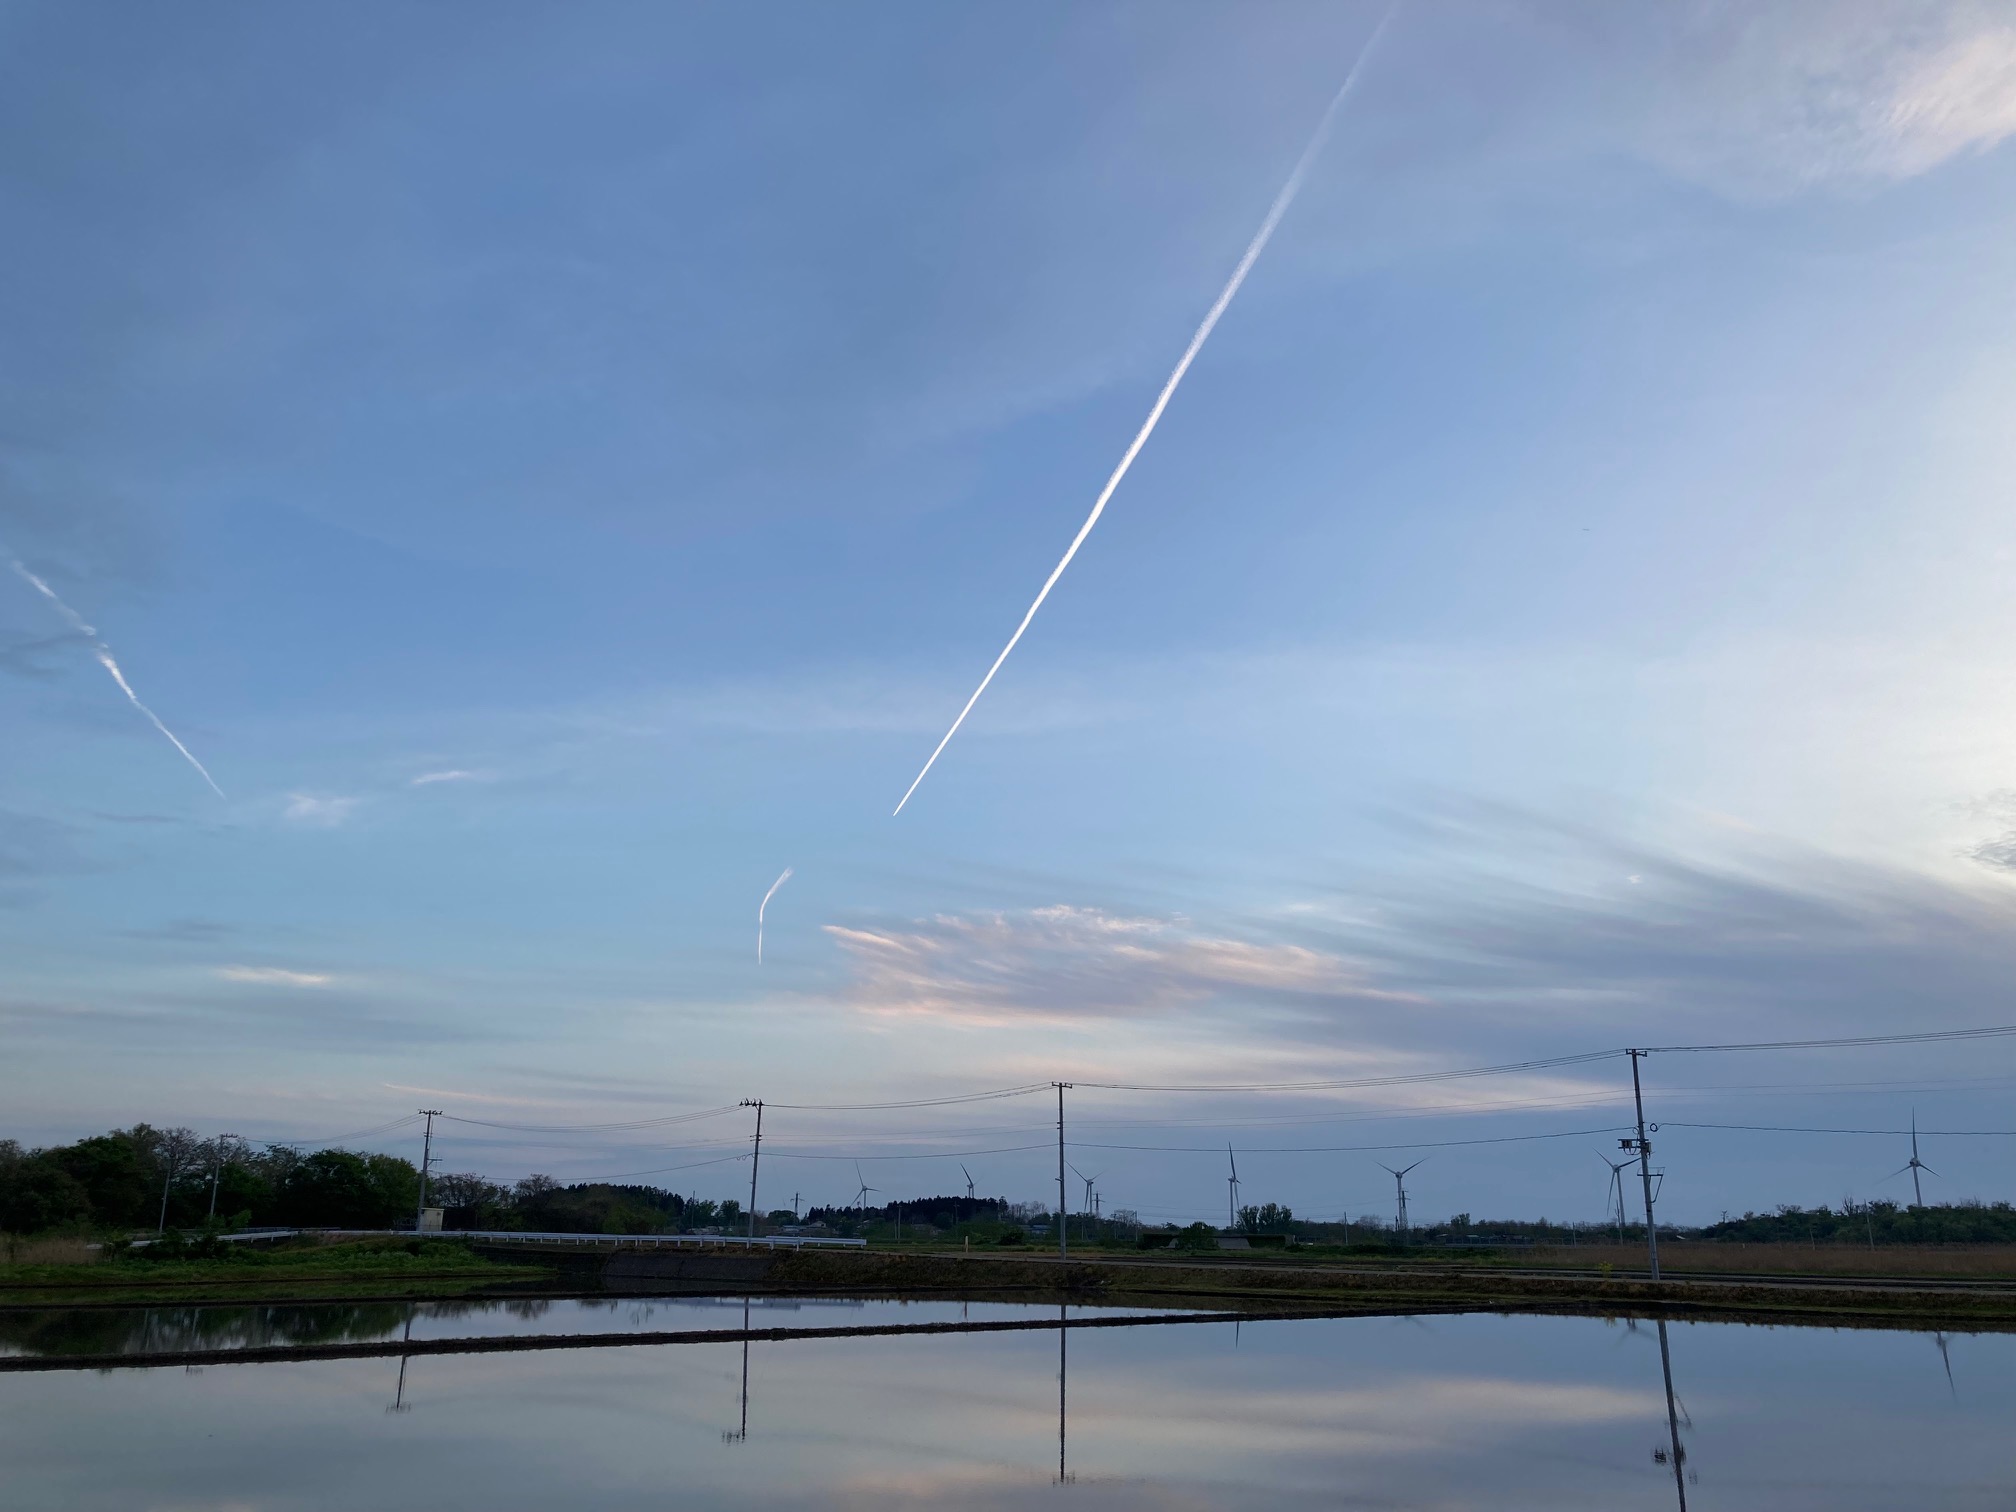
1445,1412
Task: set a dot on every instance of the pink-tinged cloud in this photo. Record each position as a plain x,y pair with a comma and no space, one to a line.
1065,963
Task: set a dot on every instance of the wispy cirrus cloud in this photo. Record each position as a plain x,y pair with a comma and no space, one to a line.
274,976
1064,962
1767,100
452,774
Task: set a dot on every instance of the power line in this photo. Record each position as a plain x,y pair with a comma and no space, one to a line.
921,1102
332,1139
1431,1144
634,1123
1936,1036
1791,1129
1365,1081
661,1170
926,1155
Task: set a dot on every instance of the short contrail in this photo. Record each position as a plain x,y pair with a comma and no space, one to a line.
785,877
105,659
1253,250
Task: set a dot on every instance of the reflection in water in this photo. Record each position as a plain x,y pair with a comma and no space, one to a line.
741,1433
1063,1380
142,1330
1482,1411
399,1403
1946,1359
1678,1455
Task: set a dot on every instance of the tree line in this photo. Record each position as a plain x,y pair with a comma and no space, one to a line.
144,1178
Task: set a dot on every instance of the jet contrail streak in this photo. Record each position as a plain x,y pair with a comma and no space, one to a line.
1253,250
103,653
781,880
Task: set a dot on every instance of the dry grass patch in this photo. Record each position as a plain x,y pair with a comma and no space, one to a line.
16,1250
1957,1260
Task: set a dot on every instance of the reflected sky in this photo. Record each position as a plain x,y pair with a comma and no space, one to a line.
1446,1412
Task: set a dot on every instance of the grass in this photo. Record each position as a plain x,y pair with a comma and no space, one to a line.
295,1267
46,1251
1959,1261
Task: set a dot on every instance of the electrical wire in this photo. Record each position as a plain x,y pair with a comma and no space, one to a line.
661,1170
927,1155
1793,1129
921,1102
1936,1036
1436,1144
597,1128
336,1139
1366,1081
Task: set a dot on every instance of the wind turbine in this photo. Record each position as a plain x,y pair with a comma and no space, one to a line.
1088,1180
861,1197
1914,1165
1616,1190
1400,1184
969,1182
1231,1191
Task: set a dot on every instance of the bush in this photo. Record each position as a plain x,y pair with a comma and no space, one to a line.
1198,1236
1010,1237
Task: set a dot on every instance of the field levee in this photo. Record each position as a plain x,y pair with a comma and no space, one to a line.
1930,1302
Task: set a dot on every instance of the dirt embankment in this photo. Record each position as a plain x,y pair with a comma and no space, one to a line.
1381,1288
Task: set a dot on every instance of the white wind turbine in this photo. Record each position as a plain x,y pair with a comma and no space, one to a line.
1914,1165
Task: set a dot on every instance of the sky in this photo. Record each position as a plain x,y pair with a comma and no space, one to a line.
559,468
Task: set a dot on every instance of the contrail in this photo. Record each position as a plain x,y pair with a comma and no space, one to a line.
103,653
781,880
1253,250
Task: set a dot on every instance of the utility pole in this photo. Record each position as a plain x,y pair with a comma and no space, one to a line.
426,1163
1644,1148
168,1155
755,1159
1063,1200
217,1171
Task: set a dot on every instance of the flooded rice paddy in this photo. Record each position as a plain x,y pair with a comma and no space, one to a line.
1442,1412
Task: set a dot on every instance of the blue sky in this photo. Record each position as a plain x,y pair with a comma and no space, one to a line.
559,469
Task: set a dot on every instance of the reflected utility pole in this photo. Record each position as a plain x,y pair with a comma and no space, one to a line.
1672,1418
741,1434
1063,1377
399,1403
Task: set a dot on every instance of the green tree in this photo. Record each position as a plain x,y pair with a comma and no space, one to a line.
117,1173
341,1189
1268,1219
37,1194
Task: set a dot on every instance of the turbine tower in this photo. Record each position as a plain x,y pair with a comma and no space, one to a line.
861,1197
1231,1191
1616,1191
1088,1180
1914,1165
1400,1185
